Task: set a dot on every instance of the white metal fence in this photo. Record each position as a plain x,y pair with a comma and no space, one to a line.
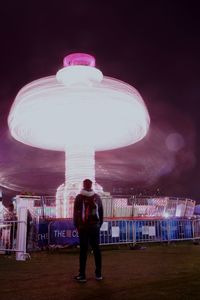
13,238
117,206
8,232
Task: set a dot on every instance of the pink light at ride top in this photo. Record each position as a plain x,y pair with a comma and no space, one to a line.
79,59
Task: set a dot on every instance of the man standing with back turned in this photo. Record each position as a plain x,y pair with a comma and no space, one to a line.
88,218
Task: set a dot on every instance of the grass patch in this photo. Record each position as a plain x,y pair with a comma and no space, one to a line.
159,271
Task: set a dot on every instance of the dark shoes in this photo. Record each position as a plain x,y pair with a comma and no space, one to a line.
99,277
80,278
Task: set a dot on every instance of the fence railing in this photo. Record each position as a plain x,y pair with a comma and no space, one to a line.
63,232
121,206
60,233
13,236
8,233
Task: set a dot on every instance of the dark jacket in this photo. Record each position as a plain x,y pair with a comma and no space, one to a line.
80,205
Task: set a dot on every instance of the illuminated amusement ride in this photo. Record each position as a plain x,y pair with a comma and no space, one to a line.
85,112
82,109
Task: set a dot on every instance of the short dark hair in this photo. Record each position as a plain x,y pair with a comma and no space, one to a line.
87,184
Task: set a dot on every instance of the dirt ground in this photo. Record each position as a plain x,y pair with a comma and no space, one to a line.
156,271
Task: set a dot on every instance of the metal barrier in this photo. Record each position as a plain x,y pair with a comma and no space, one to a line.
8,233
120,206
117,232
11,238
166,230
132,231
196,228
62,232
13,234
123,231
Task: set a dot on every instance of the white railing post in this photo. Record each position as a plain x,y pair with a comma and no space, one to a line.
1,210
22,205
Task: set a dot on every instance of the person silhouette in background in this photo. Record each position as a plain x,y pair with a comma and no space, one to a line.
10,219
88,218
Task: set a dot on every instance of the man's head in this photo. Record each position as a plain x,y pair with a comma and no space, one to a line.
87,184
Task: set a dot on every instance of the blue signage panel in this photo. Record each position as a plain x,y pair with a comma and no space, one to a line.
42,233
63,233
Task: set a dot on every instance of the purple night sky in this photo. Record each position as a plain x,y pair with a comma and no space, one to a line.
152,45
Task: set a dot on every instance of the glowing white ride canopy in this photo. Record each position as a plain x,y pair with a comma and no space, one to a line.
78,111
